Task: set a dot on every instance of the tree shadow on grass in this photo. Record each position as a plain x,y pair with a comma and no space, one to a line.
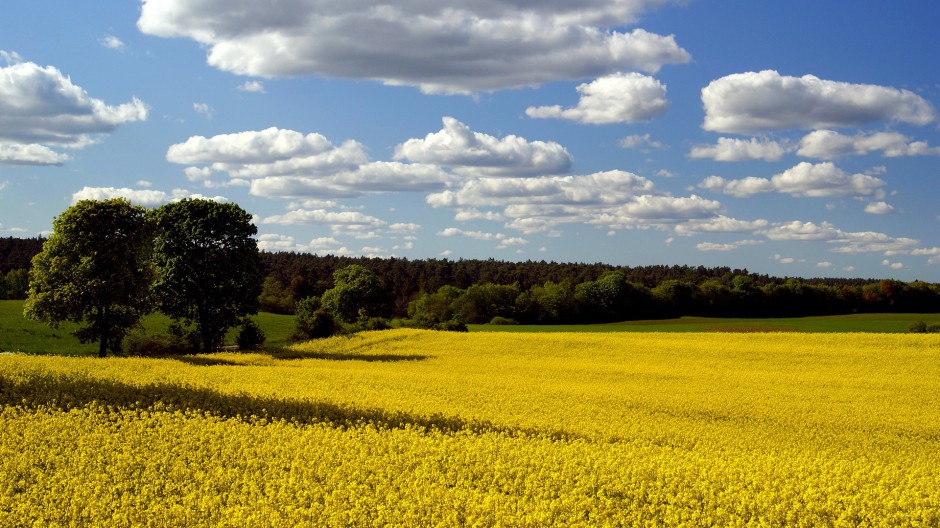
67,392
286,354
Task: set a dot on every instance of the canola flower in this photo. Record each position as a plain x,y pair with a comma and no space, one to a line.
416,428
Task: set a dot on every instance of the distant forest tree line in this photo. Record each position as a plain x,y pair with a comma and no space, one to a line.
432,292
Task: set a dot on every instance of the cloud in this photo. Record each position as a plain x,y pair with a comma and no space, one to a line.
879,208
613,199
252,87
10,57
504,240
828,144
204,109
803,180
468,215
648,209
804,231
475,153
874,242
617,98
40,108
13,154
933,253
338,219
341,223
370,178
730,149
754,102
289,164
321,245
711,246
720,224
145,197
612,187
112,42
265,152
850,242
459,47
893,265
639,141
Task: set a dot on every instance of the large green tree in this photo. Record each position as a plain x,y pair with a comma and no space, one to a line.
356,289
95,269
208,269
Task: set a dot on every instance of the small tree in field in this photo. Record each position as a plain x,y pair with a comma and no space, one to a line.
356,288
208,273
94,268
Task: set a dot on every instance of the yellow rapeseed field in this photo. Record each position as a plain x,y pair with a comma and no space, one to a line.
419,428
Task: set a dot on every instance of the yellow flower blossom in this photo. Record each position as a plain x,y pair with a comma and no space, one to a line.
417,428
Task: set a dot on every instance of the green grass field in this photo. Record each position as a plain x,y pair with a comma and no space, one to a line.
18,334
893,323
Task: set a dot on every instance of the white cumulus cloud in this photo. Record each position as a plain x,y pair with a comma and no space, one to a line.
145,197
804,180
879,208
41,108
829,144
754,102
713,246
733,149
289,164
460,46
475,153
112,42
252,87
618,98
640,141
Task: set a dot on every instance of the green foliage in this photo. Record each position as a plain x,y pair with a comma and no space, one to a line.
312,321
251,336
497,321
275,298
208,271
95,269
482,302
355,288
454,325
15,284
920,327
431,309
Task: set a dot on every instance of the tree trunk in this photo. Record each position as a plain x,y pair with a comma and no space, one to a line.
103,328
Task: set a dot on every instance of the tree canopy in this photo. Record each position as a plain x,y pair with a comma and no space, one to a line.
207,262
95,269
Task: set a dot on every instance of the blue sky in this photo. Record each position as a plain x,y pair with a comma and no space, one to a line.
790,138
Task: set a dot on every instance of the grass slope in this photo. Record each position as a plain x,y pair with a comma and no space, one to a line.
19,334
879,323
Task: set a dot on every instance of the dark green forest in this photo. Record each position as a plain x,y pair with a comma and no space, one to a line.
433,291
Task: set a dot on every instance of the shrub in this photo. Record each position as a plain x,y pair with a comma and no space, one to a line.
312,321
917,327
498,320
136,344
373,323
454,325
933,328
251,336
